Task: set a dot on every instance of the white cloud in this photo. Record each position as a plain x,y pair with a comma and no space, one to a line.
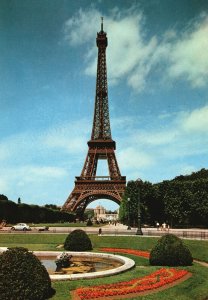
31,174
70,137
123,122
27,147
75,145
184,135
131,158
157,138
196,121
189,55
133,57
37,173
128,53
16,146
34,183
4,153
3,186
81,27
125,45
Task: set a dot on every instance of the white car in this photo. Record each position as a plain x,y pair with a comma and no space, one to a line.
21,226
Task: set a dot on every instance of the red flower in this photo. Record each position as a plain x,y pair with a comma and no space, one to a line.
152,281
127,251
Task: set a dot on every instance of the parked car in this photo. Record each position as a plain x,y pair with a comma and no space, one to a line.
46,228
21,226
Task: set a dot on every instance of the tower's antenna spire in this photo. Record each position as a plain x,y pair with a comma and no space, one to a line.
102,24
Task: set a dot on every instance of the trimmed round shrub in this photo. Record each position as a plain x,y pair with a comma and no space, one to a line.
170,251
23,277
78,240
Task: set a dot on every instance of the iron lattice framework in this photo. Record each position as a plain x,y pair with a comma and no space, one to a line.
88,186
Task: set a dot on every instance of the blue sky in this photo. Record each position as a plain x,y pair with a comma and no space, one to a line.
157,62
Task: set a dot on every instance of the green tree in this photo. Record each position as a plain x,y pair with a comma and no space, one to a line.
152,206
129,209
8,211
3,197
185,201
52,206
199,203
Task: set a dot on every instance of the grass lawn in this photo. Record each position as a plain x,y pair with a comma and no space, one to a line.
195,288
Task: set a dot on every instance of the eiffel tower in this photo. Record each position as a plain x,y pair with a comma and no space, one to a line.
88,186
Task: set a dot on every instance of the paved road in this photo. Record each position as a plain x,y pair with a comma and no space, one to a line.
120,229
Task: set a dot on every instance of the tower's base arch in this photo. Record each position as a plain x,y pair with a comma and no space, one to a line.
87,191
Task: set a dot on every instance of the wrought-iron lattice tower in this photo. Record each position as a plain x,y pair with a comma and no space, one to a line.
88,186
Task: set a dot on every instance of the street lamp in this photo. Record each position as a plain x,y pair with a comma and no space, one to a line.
129,227
139,229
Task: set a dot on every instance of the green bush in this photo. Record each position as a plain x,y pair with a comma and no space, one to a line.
23,277
78,240
170,251
89,222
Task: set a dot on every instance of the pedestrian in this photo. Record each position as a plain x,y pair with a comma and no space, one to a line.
164,226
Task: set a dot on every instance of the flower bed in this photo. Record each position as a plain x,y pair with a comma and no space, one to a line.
161,278
145,254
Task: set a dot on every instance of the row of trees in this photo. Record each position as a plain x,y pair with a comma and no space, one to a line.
20,212
182,201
